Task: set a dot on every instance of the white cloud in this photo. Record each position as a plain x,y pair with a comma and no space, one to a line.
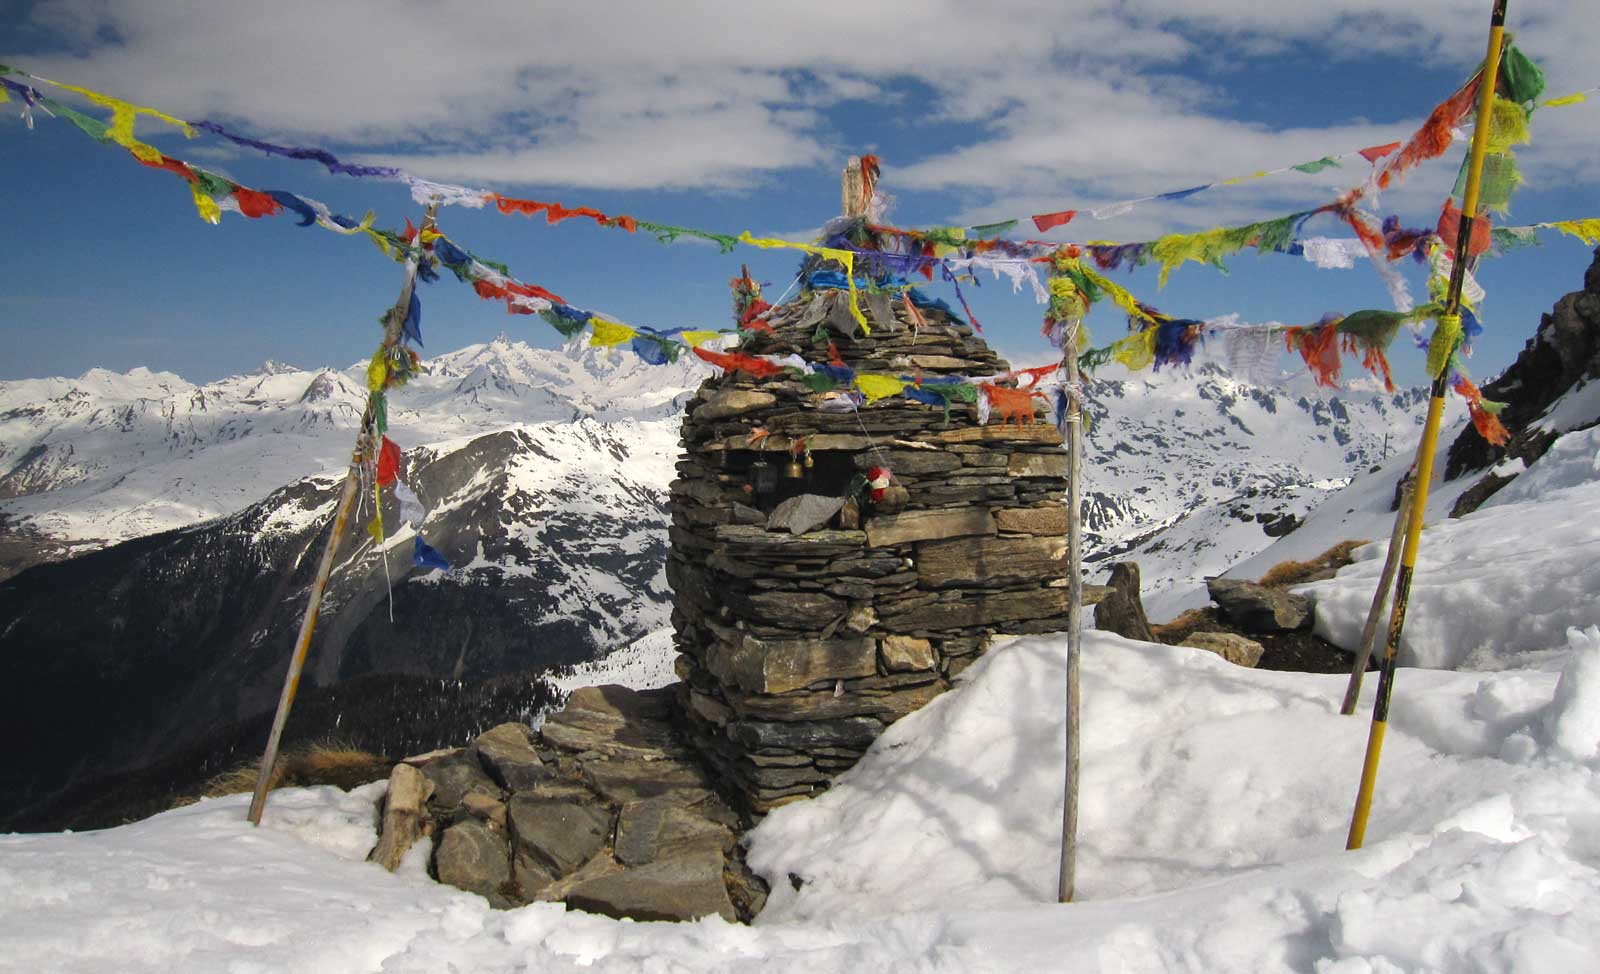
1060,99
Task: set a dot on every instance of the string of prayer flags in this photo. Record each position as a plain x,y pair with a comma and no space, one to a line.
323,156
876,387
845,257
738,361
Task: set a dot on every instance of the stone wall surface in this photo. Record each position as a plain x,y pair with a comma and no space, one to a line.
797,649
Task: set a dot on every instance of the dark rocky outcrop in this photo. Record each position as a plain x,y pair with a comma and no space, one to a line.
1122,612
1258,608
1565,350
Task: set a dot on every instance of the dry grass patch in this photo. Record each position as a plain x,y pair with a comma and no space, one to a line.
1288,573
324,763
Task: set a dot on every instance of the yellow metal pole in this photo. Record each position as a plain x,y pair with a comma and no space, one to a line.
1449,333
392,328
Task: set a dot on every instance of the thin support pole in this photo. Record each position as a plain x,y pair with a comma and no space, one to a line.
1069,806
1380,598
1430,433
365,447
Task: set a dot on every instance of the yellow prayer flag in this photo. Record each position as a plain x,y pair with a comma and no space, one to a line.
207,207
1586,230
1576,98
608,333
377,372
694,339
876,387
845,257
381,242
1137,351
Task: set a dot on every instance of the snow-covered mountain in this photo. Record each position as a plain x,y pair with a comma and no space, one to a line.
106,457
1189,472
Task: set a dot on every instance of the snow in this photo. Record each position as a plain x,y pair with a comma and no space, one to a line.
1214,808
1498,587
644,664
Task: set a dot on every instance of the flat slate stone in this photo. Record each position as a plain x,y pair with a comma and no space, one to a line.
507,754
785,608
986,608
928,526
781,665
471,857
733,402
855,733
659,827
685,887
454,776
561,834
1050,520
622,781
1038,465
1002,433
797,515
971,561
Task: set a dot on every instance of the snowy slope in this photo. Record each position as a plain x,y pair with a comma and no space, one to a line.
1500,585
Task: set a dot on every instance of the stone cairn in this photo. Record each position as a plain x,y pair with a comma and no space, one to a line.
808,619
816,600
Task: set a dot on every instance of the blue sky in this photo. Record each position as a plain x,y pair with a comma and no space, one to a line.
728,117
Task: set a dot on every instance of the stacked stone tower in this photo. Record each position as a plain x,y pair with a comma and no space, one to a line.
806,626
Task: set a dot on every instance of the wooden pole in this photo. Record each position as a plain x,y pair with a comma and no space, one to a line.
1069,806
365,447
1380,598
1430,433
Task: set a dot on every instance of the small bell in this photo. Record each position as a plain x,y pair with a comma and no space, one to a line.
763,477
793,470
809,462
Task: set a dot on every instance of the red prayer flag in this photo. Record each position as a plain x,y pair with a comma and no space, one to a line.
1450,228
255,204
1046,221
388,462
1375,152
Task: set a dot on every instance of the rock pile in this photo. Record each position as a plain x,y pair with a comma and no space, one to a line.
811,608
603,809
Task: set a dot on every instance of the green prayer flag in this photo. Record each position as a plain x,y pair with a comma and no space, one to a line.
1326,162
1523,79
